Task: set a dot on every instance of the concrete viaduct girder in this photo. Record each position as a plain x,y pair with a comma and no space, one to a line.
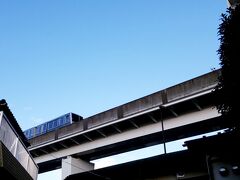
180,111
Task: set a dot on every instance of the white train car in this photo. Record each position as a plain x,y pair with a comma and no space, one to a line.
52,125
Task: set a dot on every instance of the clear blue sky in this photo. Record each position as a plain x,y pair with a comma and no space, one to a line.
87,56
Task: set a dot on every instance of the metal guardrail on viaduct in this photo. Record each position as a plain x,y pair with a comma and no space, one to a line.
180,111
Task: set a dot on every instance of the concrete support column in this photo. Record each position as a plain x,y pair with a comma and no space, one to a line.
72,165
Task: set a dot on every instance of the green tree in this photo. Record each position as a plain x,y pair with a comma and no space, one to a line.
227,91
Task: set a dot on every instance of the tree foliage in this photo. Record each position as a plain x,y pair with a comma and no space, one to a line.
227,91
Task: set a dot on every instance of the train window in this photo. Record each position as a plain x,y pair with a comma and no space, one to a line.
50,125
38,130
55,123
61,121
66,119
26,133
67,116
32,132
44,128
